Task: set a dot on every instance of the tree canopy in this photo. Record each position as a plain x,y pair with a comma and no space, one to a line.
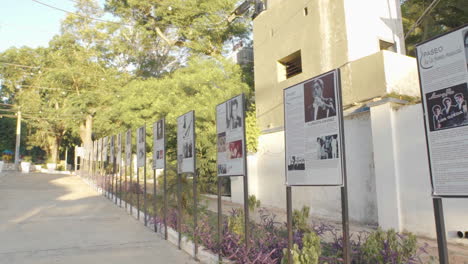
445,16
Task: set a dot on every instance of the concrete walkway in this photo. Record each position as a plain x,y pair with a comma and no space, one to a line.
50,218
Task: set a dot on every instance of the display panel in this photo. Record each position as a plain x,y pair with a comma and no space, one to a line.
443,75
313,131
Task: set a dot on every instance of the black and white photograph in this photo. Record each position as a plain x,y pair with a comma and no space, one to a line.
233,114
222,169
296,163
188,149
447,108
319,98
159,129
327,147
141,146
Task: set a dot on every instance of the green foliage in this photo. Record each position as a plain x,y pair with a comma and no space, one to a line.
253,202
200,25
236,222
300,219
310,252
401,246
446,15
7,134
252,130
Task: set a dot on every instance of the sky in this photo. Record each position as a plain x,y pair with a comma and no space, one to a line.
27,23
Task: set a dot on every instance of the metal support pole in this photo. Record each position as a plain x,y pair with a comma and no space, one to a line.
112,193
116,180
344,189
145,206
165,199
120,178
195,215
246,212
154,202
18,140
130,188
220,219
138,193
179,208
345,223
246,183
289,221
165,183
440,229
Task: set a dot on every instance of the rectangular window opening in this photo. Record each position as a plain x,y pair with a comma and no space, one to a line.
290,66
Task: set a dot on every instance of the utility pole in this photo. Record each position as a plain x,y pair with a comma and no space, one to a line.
18,138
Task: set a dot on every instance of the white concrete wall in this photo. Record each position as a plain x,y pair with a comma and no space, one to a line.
325,202
415,187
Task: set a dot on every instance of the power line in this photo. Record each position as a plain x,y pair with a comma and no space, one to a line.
416,24
76,14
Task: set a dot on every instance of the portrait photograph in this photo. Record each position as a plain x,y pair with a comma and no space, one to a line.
319,98
233,114
447,108
235,149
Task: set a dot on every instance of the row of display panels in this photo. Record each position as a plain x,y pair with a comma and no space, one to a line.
313,120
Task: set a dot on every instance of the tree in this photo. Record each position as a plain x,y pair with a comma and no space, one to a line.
199,25
200,86
446,15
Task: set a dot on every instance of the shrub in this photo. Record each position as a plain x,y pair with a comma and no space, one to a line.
300,219
310,252
253,202
388,247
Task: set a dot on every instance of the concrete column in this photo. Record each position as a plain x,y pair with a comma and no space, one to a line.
386,166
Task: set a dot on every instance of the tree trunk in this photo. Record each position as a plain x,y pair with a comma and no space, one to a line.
86,130
53,149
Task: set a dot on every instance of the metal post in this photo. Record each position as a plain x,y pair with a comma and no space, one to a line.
344,188
165,197
138,192
246,212
179,213
345,223
130,187
289,222
18,139
145,207
440,229
120,173
220,219
154,202
114,189
246,183
195,202
195,214
112,194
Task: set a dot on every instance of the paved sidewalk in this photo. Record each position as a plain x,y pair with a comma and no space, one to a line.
51,218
